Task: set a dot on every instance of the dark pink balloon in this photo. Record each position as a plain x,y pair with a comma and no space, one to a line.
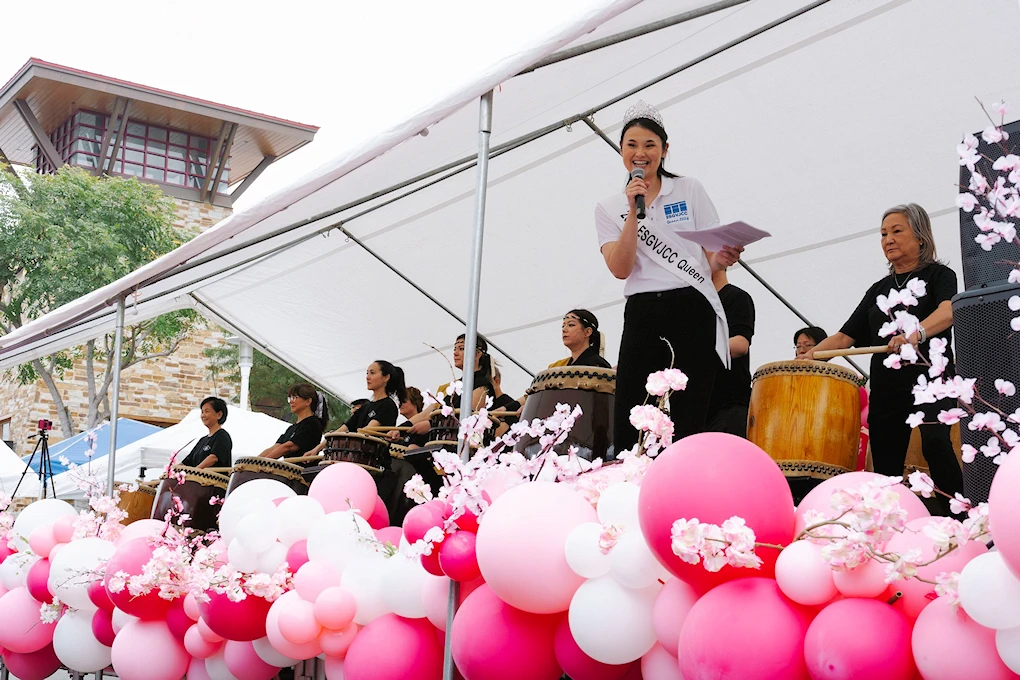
371,655
297,555
35,665
431,562
389,535
494,641
21,630
711,477
5,551
421,518
244,621
380,517
37,581
457,556
102,627
131,558
178,620
577,664
878,648
244,662
99,596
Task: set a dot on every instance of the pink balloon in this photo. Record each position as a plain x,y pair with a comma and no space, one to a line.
36,665
494,641
42,540
948,645
659,664
431,564
916,594
389,535
334,668
1004,512
335,608
244,620
147,650
197,671
577,664
243,662
499,482
370,656
436,597
5,550
744,629
818,497
63,528
297,622
177,619
99,596
143,528
191,607
864,580
712,477
803,575
102,627
672,605
207,633
37,580
520,546
877,646
344,486
276,638
198,646
297,554
457,556
421,518
22,631
380,517
313,578
131,558
336,642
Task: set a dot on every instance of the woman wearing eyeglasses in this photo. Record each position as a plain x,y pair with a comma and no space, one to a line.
309,405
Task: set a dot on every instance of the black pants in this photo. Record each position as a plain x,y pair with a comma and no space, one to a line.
890,438
685,318
729,419
390,486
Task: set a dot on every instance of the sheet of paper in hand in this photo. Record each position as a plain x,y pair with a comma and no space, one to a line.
733,234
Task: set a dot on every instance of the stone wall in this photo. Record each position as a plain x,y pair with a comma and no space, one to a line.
162,390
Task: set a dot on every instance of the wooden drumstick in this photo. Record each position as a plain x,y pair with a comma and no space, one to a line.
851,351
301,459
383,428
504,414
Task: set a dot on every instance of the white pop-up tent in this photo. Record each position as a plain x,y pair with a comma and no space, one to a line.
807,119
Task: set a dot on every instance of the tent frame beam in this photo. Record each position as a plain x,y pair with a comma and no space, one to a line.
118,347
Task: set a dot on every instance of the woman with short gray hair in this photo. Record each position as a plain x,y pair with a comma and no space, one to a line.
909,247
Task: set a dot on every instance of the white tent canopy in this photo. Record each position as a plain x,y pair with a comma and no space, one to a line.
809,129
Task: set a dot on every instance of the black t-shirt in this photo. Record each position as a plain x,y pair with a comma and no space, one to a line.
894,385
385,411
216,444
733,387
306,434
409,438
505,402
590,357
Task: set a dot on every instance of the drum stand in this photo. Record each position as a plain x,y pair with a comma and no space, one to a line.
42,447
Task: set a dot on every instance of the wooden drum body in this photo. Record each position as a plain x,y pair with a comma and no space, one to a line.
443,428
591,388
371,453
256,467
138,503
807,416
195,493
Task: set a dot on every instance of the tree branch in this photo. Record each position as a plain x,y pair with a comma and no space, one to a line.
63,415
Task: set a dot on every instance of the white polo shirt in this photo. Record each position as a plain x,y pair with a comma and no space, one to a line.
682,205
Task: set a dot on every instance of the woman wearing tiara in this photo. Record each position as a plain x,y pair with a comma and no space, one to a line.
668,286
309,405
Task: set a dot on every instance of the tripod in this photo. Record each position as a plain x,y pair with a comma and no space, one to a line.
42,447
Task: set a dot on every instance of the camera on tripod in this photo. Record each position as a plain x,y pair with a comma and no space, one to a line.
45,425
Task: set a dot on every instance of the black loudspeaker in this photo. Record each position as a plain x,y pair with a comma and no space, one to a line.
982,267
986,348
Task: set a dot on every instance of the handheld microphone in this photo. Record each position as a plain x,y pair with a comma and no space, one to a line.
639,200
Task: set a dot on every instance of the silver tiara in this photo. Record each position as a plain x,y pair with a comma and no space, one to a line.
642,110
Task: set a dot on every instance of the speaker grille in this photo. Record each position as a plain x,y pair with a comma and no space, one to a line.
986,267
986,349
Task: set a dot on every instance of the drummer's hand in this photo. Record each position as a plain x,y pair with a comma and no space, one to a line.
898,341
808,355
725,257
393,434
420,428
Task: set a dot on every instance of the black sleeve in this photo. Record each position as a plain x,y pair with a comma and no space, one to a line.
943,284
740,315
387,413
221,445
857,325
307,434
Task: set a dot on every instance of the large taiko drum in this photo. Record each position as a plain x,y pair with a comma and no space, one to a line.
196,494
138,503
807,416
256,467
371,453
591,388
443,428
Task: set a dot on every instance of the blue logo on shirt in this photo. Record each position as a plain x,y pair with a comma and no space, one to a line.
676,212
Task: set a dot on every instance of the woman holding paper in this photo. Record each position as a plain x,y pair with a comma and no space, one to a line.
669,286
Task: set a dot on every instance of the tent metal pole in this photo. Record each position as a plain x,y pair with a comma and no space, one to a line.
118,346
470,335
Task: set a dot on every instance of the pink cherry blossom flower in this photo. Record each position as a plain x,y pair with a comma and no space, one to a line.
418,490
908,353
947,585
609,536
952,416
987,240
967,453
993,134
991,449
686,540
921,483
1005,387
967,151
959,504
1007,162
893,361
978,184
915,419
990,421
1014,300
966,202
1014,276
904,566
1000,108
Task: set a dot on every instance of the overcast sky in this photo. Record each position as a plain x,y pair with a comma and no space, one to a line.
352,68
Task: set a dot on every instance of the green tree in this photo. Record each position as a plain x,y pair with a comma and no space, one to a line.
66,235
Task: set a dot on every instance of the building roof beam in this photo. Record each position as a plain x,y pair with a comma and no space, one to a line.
40,136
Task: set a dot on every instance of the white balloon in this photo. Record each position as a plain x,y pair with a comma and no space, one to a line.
38,514
75,566
403,580
241,558
76,646
633,563
232,516
337,538
216,665
267,653
297,515
14,570
583,553
618,504
257,531
990,593
121,618
262,489
270,560
612,623
363,579
1007,643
